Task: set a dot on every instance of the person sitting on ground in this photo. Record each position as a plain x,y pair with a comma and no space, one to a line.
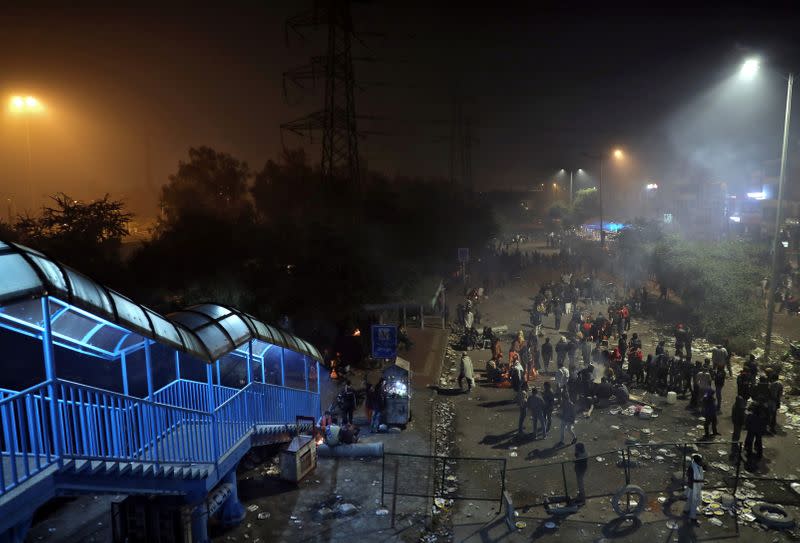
602,392
349,434
621,394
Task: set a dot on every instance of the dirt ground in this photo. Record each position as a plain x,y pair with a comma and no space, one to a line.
486,426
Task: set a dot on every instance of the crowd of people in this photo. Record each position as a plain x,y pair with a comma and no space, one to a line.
597,360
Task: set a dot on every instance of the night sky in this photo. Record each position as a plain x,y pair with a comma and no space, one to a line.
543,85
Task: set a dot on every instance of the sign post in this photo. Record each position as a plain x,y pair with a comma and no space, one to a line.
384,341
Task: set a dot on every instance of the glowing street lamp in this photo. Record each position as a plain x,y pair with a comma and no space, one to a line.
747,72
27,106
749,68
618,155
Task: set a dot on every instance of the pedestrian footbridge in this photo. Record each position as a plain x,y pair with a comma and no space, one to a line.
107,396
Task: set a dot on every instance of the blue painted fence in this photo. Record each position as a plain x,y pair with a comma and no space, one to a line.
96,424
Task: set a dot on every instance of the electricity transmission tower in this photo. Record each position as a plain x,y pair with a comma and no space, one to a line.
461,141
337,118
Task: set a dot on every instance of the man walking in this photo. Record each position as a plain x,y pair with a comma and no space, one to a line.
694,488
719,382
567,419
536,409
522,403
710,414
547,354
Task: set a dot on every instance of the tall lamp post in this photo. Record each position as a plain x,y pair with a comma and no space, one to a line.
571,172
27,106
748,71
617,154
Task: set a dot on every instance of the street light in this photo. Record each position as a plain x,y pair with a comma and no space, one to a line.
27,106
747,72
619,155
571,172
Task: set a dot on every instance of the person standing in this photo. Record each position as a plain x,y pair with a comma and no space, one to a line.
547,354
775,396
557,312
562,378
719,382
536,410
581,466
348,403
756,425
561,350
517,372
522,403
695,478
567,419
572,351
738,414
549,400
586,351
467,372
710,414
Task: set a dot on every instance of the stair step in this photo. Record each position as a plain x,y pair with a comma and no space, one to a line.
125,468
136,470
148,470
168,471
96,465
81,465
69,465
111,468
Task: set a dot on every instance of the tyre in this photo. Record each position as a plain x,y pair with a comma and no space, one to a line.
773,515
629,501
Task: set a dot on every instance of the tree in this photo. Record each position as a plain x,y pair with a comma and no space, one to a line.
210,183
558,211
585,205
87,235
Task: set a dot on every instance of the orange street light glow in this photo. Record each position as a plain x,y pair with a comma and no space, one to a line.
618,153
25,104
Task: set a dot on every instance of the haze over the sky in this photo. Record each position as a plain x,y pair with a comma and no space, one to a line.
543,86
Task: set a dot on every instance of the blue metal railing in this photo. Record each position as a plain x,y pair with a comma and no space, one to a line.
96,424
192,394
27,436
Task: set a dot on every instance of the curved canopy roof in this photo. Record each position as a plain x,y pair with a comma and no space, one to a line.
206,331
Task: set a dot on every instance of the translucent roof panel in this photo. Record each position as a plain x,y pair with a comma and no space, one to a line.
215,340
17,277
87,291
109,338
164,329
193,344
190,319
236,328
51,271
130,313
212,310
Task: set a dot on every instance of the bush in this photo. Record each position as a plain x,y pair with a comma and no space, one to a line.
717,283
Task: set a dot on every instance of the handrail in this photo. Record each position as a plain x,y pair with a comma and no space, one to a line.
22,392
144,401
96,424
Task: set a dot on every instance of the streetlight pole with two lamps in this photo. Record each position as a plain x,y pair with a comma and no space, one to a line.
748,71
27,106
619,155
571,172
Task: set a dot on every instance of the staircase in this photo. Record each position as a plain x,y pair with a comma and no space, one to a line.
64,438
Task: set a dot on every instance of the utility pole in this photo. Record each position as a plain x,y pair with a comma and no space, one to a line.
337,118
773,284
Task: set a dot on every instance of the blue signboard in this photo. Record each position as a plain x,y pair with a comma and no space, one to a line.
384,341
